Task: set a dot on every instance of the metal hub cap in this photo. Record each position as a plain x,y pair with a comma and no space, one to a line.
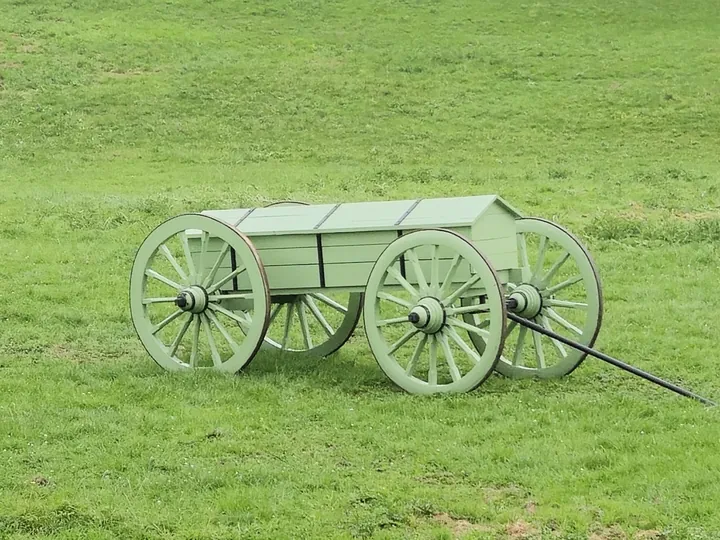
529,301
193,299
428,315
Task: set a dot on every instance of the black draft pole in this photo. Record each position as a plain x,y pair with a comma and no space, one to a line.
609,359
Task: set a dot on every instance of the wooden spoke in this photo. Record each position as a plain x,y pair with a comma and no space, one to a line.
552,302
541,256
454,371
169,256
565,284
555,267
170,318
275,312
432,366
204,241
244,322
319,317
396,320
217,361
224,280
220,258
304,325
560,320
330,302
221,328
176,342
468,310
188,256
559,346
195,341
469,327
522,250
416,355
450,275
415,263
165,300
403,340
221,297
539,355
461,343
288,323
395,300
153,274
510,327
459,292
434,269
517,356
394,272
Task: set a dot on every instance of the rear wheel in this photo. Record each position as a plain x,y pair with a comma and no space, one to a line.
316,324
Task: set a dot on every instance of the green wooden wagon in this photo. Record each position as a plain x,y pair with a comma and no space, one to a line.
435,280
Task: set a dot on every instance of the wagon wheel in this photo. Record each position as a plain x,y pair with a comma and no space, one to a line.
562,292
316,324
178,278
413,316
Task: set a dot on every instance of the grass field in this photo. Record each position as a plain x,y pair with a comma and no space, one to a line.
113,117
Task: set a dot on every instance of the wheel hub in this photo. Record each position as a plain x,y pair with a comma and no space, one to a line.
528,301
428,315
193,299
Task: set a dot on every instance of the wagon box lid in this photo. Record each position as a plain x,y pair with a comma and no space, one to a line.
363,216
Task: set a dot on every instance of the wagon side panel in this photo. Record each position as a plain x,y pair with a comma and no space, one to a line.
290,261
494,233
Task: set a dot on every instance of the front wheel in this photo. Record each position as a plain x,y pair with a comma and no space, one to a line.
561,291
180,279
413,318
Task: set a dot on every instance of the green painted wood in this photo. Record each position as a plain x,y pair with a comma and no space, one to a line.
319,323
288,241
352,254
577,292
367,215
199,332
414,354
452,212
354,235
492,225
269,257
347,275
345,266
366,238
285,277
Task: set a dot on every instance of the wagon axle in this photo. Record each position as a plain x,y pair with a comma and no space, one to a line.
193,299
428,315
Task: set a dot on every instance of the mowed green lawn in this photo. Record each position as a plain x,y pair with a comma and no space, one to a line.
604,117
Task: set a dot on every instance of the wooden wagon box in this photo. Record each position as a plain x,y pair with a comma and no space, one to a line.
335,246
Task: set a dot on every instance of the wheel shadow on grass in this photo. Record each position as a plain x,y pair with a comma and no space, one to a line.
349,370
354,370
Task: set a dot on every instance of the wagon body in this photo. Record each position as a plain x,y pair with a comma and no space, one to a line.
306,248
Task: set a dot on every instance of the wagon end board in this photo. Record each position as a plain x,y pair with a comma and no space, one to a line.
306,247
